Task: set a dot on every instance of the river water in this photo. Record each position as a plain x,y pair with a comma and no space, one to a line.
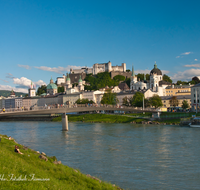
129,155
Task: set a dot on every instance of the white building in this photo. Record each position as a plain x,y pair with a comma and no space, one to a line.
195,96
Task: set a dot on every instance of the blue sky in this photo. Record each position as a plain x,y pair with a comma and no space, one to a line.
40,38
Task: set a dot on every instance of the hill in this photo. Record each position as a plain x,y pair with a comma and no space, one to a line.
6,93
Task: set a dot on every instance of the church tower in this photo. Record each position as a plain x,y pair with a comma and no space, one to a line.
68,83
31,90
133,80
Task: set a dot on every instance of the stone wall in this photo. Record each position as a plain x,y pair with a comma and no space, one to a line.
126,74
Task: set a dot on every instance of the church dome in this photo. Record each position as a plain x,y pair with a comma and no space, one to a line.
51,86
155,70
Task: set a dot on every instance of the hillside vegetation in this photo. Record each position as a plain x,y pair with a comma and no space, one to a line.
28,171
6,93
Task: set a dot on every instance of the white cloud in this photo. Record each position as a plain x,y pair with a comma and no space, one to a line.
24,66
58,70
195,60
185,75
24,82
7,87
186,53
194,65
177,56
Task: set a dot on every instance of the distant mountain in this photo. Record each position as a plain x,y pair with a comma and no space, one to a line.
6,93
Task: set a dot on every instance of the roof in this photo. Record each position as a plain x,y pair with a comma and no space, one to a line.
155,70
123,86
51,86
196,85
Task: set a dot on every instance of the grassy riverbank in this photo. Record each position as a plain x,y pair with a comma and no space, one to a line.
101,118
28,171
166,118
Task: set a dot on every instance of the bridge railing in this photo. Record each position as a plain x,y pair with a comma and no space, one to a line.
72,106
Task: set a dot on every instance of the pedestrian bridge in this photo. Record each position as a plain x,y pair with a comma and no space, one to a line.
69,109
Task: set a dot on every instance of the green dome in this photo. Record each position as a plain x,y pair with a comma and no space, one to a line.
51,86
80,80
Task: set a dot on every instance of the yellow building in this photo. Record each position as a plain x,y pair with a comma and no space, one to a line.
166,100
177,90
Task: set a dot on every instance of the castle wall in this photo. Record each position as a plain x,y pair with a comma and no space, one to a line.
115,73
75,77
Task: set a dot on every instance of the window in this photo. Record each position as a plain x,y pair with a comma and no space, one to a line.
194,101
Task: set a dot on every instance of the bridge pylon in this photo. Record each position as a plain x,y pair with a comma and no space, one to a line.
64,122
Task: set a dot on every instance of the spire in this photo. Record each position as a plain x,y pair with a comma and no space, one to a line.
155,65
144,77
133,74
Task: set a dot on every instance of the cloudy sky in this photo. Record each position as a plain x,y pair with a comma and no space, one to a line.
40,39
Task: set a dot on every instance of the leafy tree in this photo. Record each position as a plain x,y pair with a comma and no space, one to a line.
167,78
42,89
61,89
128,70
109,98
119,78
173,101
141,76
185,104
181,82
126,101
155,101
196,80
128,80
137,99
84,101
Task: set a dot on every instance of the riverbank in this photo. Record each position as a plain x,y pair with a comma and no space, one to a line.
28,171
125,118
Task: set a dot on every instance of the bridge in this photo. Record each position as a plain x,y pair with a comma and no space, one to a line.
69,109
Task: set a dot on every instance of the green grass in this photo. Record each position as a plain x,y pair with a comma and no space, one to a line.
100,118
60,176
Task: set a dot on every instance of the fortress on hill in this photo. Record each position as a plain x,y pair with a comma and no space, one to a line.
99,68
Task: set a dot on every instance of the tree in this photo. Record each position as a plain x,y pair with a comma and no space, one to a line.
137,99
141,76
119,78
185,104
196,80
84,101
155,101
60,89
127,81
126,101
173,101
167,78
109,98
42,89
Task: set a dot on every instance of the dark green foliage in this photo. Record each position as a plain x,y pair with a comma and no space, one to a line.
140,76
196,80
128,70
101,80
42,89
60,89
119,78
109,98
127,81
6,93
181,82
185,104
84,101
155,101
167,78
137,99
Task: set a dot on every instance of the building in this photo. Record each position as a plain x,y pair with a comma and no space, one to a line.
195,96
31,90
51,88
180,98
99,68
155,86
177,90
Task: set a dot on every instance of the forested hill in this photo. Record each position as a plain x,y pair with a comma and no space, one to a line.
6,93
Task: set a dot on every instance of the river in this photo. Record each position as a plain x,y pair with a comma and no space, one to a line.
129,155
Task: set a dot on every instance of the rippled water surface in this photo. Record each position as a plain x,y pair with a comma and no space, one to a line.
131,156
